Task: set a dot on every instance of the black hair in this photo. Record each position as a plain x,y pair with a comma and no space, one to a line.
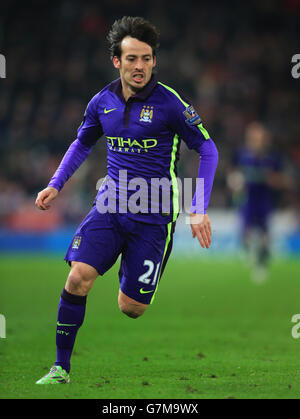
136,27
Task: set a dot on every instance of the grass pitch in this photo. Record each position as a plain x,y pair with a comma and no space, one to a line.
210,333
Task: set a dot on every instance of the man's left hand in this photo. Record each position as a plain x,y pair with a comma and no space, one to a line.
200,225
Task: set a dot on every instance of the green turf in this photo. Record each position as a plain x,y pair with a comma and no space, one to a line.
211,333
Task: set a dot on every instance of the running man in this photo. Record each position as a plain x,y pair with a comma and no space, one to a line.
258,171
143,121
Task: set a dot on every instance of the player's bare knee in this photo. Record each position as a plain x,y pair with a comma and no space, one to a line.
132,311
79,280
130,307
74,282
133,314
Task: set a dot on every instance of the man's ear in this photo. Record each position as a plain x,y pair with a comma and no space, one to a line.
116,62
154,60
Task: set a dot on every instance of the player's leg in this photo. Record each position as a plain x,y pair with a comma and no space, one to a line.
70,316
261,269
144,258
260,244
81,278
130,307
71,310
249,236
264,248
93,250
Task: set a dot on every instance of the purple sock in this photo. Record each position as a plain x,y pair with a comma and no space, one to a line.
70,317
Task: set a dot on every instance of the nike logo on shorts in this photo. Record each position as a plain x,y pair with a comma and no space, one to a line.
145,292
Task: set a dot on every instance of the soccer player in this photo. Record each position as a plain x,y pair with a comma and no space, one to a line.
256,177
143,121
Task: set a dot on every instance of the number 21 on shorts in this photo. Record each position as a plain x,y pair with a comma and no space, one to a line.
145,278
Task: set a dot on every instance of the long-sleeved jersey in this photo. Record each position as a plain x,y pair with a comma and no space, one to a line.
143,137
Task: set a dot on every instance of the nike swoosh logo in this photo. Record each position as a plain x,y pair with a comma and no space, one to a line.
65,324
109,110
145,292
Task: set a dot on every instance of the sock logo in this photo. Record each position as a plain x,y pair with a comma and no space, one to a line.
65,324
62,332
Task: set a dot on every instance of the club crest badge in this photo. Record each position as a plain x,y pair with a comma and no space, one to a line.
146,114
76,242
192,118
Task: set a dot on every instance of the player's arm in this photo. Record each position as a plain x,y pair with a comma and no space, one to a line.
278,177
88,133
73,158
235,178
45,197
189,126
199,219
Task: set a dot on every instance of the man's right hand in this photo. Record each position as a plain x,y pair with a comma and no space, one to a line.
45,197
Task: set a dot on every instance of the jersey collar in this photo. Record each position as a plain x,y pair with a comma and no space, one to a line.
116,87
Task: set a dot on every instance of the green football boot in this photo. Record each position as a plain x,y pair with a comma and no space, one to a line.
56,375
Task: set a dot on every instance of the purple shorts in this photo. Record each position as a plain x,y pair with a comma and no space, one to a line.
255,218
144,248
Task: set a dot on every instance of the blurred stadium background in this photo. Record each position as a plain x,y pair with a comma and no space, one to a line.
232,60
219,334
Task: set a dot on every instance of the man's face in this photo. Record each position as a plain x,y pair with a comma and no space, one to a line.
136,63
257,138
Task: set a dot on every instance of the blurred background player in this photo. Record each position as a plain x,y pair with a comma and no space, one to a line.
255,181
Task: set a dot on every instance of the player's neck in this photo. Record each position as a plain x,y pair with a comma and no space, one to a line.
127,91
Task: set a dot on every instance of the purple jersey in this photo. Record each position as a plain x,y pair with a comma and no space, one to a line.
143,139
259,199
